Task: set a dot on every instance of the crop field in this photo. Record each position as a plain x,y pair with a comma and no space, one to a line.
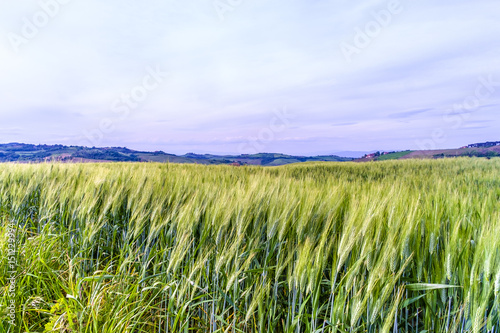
393,156
393,246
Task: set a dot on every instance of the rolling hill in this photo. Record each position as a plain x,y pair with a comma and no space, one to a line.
29,153
484,149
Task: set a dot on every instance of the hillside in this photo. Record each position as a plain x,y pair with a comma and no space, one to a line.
29,153
484,149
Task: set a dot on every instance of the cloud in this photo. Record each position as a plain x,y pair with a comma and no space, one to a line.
408,114
226,76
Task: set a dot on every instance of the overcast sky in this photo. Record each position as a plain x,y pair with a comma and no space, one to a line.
240,76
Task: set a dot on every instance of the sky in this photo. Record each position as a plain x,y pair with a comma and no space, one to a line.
238,76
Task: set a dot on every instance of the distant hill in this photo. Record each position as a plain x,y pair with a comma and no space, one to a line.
29,153
484,149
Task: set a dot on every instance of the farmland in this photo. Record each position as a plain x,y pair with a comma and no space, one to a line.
393,156
30,153
394,246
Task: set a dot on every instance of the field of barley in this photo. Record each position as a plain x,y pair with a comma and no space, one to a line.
394,246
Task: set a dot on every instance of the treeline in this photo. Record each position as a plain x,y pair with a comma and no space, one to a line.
109,155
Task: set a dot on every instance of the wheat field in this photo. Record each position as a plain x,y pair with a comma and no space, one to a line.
395,246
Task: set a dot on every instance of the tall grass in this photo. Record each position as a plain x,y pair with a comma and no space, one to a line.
396,246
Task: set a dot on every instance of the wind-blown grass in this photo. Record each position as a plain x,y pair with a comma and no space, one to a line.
401,246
